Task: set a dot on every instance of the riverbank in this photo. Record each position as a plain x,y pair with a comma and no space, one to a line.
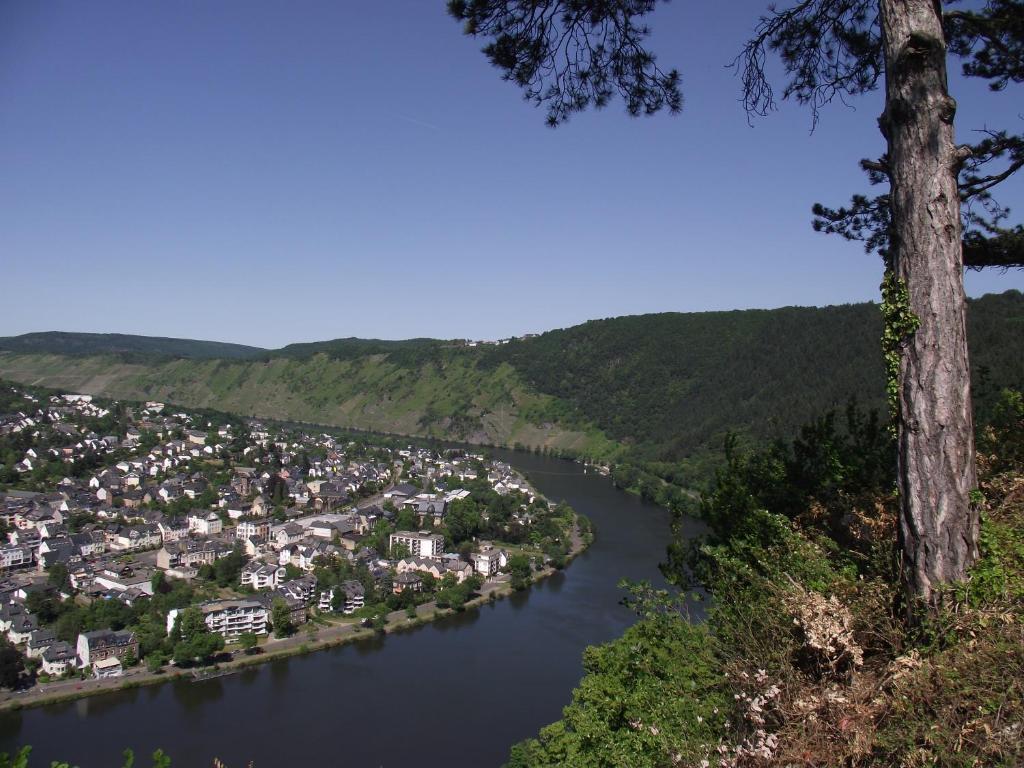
519,658
313,637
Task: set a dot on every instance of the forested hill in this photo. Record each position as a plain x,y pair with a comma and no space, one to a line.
61,343
664,386
671,382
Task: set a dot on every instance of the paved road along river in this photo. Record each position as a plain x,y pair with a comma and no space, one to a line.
459,691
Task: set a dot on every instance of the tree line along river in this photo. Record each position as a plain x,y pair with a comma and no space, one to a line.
460,690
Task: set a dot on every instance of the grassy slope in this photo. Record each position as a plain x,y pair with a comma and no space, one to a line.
448,397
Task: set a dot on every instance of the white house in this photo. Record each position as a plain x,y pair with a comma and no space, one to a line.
205,525
488,561
249,528
422,544
262,575
15,556
58,659
354,597
230,618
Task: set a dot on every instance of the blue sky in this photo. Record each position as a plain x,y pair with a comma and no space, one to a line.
270,172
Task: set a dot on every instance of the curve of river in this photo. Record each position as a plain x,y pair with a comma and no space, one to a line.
460,690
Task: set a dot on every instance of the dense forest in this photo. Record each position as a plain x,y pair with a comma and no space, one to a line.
672,383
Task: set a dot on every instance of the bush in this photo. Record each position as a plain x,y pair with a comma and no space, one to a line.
651,696
805,654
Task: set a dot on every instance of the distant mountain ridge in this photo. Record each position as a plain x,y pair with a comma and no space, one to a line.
659,387
66,343
127,345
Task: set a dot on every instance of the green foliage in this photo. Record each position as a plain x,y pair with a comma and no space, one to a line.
1004,435
670,383
20,759
836,471
899,324
570,58
399,551
939,714
148,619
942,692
521,570
280,618
652,698
999,573
227,570
196,644
12,664
455,596
57,576
463,520
586,528
338,600
409,353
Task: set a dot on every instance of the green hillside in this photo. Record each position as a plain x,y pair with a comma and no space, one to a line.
670,383
118,343
447,397
662,387
407,352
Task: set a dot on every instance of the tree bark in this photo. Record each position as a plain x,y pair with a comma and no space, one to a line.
938,523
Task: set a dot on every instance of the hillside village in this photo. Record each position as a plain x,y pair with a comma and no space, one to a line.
141,533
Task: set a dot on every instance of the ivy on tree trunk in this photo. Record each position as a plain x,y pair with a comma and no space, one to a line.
938,524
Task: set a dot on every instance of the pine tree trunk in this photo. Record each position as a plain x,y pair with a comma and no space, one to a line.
938,525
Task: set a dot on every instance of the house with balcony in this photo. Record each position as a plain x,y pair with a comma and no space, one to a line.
229,618
208,524
488,561
355,597
260,575
252,528
189,553
421,544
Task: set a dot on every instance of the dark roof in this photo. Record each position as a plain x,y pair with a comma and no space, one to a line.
59,651
108,638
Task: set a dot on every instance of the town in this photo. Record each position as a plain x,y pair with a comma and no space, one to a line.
141,536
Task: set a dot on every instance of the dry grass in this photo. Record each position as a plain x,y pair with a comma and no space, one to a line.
861,688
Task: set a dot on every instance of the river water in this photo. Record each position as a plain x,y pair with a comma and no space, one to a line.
458,691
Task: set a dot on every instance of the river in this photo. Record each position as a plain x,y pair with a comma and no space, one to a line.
460,690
